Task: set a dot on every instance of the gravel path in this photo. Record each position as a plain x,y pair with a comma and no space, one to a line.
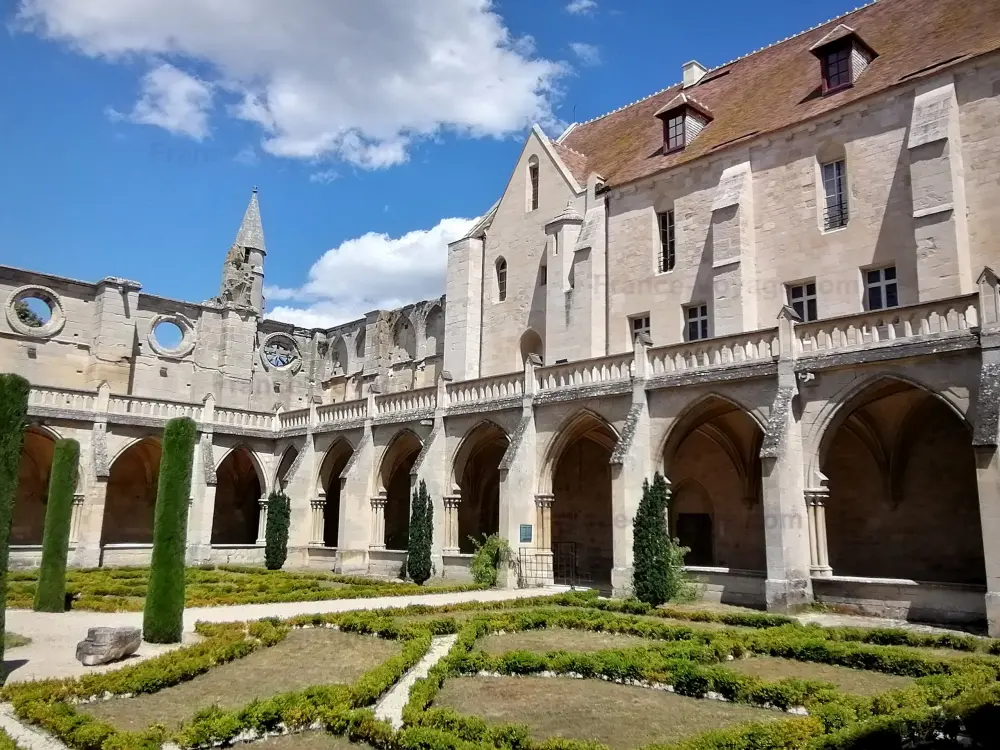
26,737
390,708
54,636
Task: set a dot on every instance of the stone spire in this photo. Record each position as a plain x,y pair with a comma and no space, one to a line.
251,234
243,272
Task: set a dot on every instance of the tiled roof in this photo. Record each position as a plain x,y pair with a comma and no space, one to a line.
780,85
575,162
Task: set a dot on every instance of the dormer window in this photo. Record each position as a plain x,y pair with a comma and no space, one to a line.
843,57
683,118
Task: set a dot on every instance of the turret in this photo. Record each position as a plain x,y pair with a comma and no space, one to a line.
243,271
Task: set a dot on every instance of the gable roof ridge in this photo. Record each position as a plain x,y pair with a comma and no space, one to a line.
569,129
560,144
734,60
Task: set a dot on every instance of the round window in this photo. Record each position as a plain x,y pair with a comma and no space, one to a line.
33,311
168,334
280,352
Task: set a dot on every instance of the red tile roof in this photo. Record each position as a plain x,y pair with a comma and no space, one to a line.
780,85
575,162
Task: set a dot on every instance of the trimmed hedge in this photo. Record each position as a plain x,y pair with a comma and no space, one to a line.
279,514
163,616
13,417
50,594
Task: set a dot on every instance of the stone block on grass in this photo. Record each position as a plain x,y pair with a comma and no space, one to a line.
105,645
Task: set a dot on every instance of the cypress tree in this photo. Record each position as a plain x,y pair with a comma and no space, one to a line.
13,417
651,545
50,594
418,549
163,616
279,514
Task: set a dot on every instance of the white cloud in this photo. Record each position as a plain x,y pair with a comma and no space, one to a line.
581,6
588,54
173,100
368,273
246,156
358,81
325,177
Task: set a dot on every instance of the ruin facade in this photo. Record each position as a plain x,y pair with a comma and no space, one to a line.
772,282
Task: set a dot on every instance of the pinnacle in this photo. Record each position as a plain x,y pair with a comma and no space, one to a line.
251,234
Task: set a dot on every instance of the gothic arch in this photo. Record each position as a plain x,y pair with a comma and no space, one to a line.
340,358
329,487
281,474
404,339
698,412
901,473
240,485
254,460
583,423
530,343
394,485
131,493
476,479
484,431
33,473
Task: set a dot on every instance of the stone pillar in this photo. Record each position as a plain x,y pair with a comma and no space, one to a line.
318,508
819,556
450,541
988,481
262,523
786,529
75,518
543,540
378,522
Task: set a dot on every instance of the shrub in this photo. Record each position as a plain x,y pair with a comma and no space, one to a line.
279,514
491,554
50,594
658,562
418,549
163,616
13,417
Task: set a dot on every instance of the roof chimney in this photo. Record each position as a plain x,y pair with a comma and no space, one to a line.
694,71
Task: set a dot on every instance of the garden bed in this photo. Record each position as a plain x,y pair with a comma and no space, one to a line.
124,589
558,639
316,656
857,681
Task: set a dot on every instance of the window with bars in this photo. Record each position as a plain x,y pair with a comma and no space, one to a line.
639,324
501,280
880,288
835,212
674,136
668,241
533,186
697,322
802,298
837,68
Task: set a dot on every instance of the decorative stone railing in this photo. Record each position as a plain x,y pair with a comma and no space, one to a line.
153,407
62,398
253,420
347,411
486,389
290,420
874,328
398,403
611,369
758,346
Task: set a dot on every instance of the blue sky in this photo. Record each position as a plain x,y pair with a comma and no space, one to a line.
132,131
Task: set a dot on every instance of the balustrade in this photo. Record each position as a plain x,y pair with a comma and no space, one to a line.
398,403
486,389
153,407
758,346
62,398
611,369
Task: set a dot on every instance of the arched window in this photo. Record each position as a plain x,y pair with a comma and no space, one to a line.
532,183
501,279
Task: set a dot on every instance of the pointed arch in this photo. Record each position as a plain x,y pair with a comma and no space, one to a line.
395,484
712,449
583,423
500,270
31,500
255,461
131,493
530,343
476,479
901,473
434,332
404,339
281,474
240,485
340,358
329,487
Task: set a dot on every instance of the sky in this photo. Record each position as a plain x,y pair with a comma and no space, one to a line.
133,131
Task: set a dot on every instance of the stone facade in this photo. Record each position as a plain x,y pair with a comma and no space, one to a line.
844,450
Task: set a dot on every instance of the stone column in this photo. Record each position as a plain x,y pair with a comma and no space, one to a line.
378,522
819,557
450,544
543,540
262,523
318,508
74,522
90,515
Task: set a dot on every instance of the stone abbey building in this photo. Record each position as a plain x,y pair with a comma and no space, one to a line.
771,281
